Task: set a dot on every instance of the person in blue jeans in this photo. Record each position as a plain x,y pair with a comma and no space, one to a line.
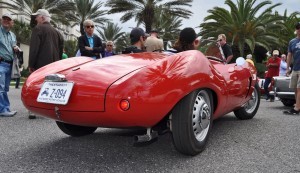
273,65
7,49
294,54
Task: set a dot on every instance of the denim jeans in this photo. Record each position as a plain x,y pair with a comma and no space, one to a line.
5,77
17,82
268,80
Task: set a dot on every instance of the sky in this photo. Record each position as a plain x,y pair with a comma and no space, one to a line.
200,8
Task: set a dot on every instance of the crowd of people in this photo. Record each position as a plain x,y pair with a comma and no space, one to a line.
281,65
47,46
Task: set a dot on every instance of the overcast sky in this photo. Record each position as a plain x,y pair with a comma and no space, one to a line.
199,9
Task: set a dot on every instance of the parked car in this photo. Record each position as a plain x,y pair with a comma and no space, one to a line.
181,93
282,91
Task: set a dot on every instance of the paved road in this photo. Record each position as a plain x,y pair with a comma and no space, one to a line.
268,143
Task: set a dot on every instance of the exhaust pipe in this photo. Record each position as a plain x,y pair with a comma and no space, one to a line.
151,135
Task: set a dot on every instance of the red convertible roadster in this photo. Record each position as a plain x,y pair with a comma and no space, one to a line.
181,93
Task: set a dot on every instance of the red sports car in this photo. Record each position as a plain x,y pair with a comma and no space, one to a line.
181,93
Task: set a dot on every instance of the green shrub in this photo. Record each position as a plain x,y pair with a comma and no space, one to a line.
70,47
261,68
25,73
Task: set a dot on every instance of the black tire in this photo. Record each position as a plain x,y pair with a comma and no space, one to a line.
248,110
192,121
288,102
75,130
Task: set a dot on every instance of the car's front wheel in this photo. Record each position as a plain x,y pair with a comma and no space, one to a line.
192,121
248,110
75,130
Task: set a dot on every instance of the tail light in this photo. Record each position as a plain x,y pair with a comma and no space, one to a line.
124,105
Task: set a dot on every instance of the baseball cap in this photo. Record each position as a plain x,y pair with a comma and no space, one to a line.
42,12
297,26
7,15
275,52
187,35
136,33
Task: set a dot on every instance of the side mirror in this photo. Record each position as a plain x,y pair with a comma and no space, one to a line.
240,61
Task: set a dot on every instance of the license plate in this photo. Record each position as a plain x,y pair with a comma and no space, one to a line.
55,92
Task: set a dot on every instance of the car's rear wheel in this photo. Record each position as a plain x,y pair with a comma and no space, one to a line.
192,121
249,109
288,102
75,130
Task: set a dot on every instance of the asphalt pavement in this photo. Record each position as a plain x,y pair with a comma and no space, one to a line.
270,142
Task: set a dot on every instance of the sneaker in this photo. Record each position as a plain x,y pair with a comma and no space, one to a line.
14,112
8,114
291,112
31,116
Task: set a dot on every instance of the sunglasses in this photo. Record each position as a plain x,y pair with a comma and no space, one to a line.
92,26
220,40
298,27
109,45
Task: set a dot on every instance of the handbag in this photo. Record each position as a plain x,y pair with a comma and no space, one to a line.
15,71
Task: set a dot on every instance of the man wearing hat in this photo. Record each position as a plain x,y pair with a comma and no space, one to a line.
46,45
273,65
153,43
7,49
294,52
137,39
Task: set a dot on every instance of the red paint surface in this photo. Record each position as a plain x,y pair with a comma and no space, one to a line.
152,82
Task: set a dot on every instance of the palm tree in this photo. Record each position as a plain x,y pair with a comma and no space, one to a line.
57,8
70,47
122,42
168,26
246,24
143,11
86,9
287,33
110,31
22,31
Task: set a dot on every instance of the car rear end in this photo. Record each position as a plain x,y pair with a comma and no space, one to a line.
77,93
282,90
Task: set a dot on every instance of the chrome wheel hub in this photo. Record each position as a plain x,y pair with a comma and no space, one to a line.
251,104
201,118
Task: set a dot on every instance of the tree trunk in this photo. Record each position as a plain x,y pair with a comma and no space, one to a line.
81,28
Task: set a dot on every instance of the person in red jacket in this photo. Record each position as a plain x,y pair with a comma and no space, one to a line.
273,65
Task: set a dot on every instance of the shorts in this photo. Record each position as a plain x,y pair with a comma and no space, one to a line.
295,79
